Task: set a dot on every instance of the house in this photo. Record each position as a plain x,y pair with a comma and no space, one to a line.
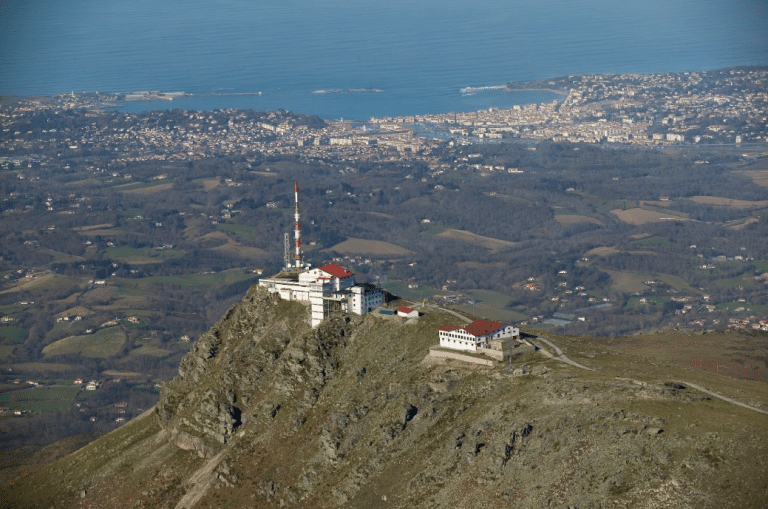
476,335
407,312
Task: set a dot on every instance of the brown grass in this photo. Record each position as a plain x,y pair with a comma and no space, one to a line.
602,251
370,248
473,238
638,216
93,227
759,177
729,202
743,224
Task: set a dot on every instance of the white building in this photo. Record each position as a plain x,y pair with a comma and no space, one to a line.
476,335
327,289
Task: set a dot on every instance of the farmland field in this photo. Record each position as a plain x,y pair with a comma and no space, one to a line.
141,256
12,335
729,202
638,216
400,288
602,251
373,248
489,243
102,343
491,313
190,280
629,281
576,219
40,399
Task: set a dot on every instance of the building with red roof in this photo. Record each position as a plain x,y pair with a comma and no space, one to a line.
475,335
407,312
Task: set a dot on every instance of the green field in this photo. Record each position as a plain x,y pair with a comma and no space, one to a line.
12,335
628,282
6,351
491,313
151,351
653,241
401,289
143,255
138,187
241,231
190,280
40,399
102,343
490,298
736,282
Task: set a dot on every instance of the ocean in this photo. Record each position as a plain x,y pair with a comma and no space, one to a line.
360,58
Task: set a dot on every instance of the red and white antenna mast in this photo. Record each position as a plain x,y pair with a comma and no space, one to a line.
296,228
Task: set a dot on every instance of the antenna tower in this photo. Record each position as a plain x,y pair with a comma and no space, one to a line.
296,228
287,250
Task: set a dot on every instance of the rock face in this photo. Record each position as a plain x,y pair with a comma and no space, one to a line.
267,412
259,347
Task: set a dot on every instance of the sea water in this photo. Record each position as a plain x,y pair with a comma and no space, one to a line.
361,58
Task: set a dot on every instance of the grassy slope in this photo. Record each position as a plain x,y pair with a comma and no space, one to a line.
465,446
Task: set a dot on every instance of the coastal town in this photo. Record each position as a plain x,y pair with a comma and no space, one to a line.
693,108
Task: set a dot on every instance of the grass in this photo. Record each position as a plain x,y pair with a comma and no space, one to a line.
400,288
151,351
489,243
491,313
653,241
638,216
239,230
677,283
6,351
736,282
729,202
432,229
374,248
490,298
576,219
40,399
198,281
12,335
143,255
628,282
102,343
145,187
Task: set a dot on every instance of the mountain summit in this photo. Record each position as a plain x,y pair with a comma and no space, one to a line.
268,412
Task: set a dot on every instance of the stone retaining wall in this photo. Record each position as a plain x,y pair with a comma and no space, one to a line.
461,357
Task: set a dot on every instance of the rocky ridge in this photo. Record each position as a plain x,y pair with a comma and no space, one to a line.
267,412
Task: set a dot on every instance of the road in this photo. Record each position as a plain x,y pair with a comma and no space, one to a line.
724,398
560,355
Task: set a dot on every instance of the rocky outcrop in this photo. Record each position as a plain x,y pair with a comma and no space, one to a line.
260,354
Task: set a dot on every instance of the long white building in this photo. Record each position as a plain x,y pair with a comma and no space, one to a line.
327,289
476,335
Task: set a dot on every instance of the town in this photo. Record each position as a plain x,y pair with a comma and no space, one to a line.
708,107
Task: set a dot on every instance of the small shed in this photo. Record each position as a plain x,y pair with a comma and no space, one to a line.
407,312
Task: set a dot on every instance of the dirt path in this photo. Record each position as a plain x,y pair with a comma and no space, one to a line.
724,398
560,355
200,482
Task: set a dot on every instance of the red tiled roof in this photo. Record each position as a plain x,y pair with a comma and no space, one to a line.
480,327
448,328
404,309
336,270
